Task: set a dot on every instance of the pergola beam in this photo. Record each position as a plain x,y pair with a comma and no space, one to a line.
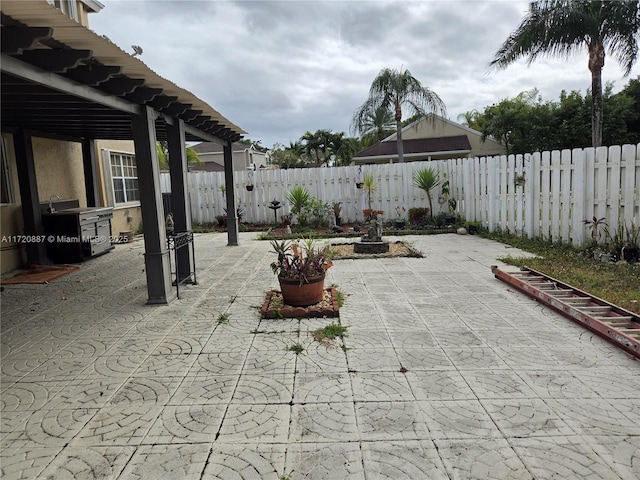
121,86
57,60
15,39
37,75
93,75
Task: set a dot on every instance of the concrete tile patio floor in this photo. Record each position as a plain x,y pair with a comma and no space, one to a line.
97,385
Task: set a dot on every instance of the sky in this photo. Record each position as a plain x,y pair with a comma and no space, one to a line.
279,69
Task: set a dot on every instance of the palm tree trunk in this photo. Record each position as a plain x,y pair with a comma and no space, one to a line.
596,62
399,141
398,118
596,108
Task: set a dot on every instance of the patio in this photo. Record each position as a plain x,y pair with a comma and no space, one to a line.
445,373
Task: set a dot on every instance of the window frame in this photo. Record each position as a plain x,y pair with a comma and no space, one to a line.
123,177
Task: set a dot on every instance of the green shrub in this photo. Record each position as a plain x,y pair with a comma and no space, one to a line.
418,216
440,219
315,213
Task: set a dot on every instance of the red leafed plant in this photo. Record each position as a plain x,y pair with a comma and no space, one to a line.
300,259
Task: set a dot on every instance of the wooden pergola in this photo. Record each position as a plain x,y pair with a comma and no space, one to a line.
61,80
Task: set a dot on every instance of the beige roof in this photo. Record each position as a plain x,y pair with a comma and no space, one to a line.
38,13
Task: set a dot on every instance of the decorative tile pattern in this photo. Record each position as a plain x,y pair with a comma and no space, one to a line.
443,374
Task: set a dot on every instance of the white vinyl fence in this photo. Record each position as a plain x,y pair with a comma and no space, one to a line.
554,193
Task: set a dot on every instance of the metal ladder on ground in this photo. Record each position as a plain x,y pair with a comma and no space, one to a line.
617,325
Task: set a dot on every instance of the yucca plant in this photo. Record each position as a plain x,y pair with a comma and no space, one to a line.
427,179
299,197
369,185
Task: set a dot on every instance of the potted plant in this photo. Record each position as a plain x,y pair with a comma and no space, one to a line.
369,185
472,227
222,220
301,269
450,218
337,210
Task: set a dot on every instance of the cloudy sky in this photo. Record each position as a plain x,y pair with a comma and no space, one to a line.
278,69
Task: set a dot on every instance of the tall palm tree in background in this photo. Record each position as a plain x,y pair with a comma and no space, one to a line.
392,90
318,146
345,148
377,125
560,28
472,119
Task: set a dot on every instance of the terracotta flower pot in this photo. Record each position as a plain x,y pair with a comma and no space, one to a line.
303,295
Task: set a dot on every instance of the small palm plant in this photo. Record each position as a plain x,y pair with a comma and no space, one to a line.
426,179
597,226
299,198
369,185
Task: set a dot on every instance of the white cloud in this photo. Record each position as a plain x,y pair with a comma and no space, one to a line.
277,69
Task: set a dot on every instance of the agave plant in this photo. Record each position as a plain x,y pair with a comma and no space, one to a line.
426,179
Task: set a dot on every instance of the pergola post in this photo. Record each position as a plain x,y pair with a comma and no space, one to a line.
90,173
156,257
232,213
180,205
28,184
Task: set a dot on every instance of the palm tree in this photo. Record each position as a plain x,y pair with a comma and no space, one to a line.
377,125
345,149
426,179
391,90
472,119
162,149
319,146
560,28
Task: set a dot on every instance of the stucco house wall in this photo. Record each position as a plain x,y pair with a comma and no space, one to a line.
243,156
65,158
126,216
426,128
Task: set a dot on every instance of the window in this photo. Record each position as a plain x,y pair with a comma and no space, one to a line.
124,176
5,176
68,7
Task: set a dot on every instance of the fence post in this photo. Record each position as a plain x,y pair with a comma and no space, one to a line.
578,199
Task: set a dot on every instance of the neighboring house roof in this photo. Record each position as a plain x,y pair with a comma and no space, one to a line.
422,147
433,118
211,147
212,156
432,137
93,5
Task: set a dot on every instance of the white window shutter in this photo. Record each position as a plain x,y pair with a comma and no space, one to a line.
73,10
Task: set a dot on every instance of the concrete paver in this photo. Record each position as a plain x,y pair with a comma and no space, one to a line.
445,373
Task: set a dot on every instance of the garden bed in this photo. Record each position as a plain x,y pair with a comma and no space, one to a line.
274,307
343,251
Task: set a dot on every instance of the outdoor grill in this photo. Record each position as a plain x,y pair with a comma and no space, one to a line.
77,233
